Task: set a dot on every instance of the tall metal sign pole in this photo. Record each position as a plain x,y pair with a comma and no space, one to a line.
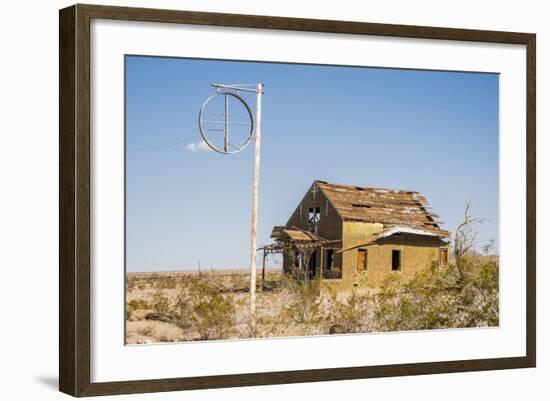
239,128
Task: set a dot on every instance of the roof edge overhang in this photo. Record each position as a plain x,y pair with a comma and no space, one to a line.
398,230
412,230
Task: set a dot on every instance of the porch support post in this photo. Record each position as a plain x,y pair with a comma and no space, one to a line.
263,270
321,260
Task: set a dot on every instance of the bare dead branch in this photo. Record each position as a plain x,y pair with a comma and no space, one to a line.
465,238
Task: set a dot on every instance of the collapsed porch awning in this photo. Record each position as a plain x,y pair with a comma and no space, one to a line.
298,238
294,234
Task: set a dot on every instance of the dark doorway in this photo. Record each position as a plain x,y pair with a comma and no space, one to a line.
312,265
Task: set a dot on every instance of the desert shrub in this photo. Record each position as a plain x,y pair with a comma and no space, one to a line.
441,298
131,282
164,282
161,304
213,313
237,282
479,296
183,309
352,314
136,304
201,306
304,304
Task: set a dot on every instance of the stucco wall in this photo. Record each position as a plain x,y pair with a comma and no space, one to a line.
417,253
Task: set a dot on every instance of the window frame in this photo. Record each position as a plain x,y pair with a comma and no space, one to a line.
446,251
363,268
399,257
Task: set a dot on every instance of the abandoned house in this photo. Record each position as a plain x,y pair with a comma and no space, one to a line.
350,236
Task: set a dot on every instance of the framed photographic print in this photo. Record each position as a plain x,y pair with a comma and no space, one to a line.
250,200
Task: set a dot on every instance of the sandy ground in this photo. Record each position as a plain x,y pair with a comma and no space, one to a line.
143,288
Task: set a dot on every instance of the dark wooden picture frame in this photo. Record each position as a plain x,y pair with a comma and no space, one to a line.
74,200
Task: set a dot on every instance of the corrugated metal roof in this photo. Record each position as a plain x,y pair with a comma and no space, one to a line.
386,206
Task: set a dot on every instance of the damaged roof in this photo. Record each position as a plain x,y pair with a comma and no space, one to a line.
294,234
403,208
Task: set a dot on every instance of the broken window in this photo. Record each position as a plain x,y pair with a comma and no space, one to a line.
443,256
362,255
330,259
314,217
396,259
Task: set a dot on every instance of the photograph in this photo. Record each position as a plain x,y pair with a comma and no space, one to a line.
270,199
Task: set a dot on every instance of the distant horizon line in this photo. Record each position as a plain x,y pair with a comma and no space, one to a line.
202,269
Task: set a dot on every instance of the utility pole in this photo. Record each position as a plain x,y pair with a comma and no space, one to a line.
255,193
207,126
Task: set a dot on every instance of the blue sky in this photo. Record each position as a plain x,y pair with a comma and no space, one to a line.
432,131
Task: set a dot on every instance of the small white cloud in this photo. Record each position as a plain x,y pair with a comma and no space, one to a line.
196,147
192,147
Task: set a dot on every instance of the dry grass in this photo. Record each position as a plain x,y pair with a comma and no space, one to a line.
192,306
176,297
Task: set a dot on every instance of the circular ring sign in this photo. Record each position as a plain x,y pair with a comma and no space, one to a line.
225,123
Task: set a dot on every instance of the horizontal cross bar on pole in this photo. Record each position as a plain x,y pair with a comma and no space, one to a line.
235,88
223,122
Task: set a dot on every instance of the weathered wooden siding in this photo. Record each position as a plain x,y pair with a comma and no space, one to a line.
330,225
